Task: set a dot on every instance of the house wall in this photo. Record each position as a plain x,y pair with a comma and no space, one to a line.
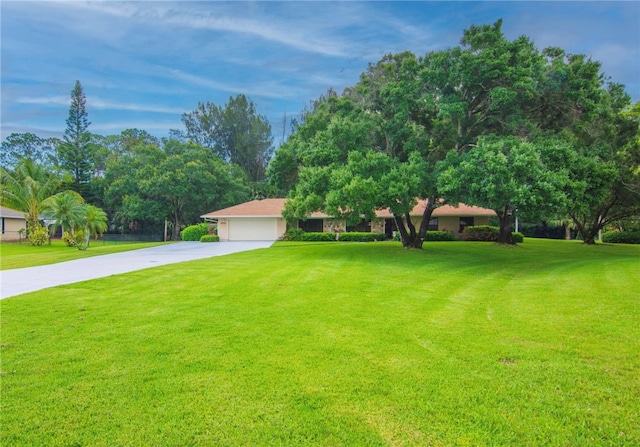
333,225
449,223
223,229
480,221
282,227
377,225
10,228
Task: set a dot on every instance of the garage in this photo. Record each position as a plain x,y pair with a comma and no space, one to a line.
258,220
248,229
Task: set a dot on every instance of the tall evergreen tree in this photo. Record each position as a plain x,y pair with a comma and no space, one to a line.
75,152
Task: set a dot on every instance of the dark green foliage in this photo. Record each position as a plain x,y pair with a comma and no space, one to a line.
361,236
195,232
210,238
487,233
440,236
75,152
235,132
293,234
621,237
318,237
543,230
38,235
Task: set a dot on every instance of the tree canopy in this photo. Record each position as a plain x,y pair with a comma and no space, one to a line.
234,132
491,108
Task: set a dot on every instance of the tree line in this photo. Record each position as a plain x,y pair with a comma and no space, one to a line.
491,122
139,181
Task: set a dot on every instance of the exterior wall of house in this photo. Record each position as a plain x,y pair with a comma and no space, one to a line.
223,229
333,225
377,225
10,228
282,227
481,221
449,223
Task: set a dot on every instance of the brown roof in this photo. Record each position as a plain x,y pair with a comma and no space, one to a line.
255,208
9,213
274,208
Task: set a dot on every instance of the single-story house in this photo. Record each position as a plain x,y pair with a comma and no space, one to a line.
262,220
12,222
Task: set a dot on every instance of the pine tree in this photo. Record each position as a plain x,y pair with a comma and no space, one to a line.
75,153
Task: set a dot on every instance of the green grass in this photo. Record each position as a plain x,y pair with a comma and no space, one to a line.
461,344
14,255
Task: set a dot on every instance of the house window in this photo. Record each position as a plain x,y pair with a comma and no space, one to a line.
433,224
3,225
311,225
465,222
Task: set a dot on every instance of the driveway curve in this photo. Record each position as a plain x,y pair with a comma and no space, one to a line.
30,279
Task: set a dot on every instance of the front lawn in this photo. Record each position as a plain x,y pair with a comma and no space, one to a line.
461,344
14,255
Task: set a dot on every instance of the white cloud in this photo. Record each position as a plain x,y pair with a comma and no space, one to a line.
99,104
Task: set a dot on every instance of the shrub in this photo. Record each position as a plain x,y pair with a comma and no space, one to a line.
210,238
318,237
621,237
357,236
487,233
484,233
38,235
293,234
194,232
68,239
440,236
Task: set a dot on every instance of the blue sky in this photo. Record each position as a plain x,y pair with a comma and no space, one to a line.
142,64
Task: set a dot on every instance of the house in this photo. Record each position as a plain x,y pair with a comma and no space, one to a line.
262,220
12,222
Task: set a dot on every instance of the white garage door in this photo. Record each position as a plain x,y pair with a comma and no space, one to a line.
253,229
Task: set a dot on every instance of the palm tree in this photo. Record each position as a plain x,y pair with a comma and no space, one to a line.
66,210
25,189
94,223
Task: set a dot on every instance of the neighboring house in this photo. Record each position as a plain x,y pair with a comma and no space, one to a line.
12,222
262,220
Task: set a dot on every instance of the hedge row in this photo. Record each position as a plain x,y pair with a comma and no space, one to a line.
487,233
355,236
438,236
296,234
621,237
210,238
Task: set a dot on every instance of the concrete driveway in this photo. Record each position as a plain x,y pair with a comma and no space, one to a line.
19,281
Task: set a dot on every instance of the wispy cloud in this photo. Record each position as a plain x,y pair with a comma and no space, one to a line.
99,104
214,16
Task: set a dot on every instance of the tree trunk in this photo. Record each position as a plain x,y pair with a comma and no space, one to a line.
587,231
407,230
410,238
505,236
424,222
175,232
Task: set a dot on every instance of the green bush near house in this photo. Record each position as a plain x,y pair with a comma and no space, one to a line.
194,232
313,236
436,236
621,237
210,238
293,234
487,233
361,236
